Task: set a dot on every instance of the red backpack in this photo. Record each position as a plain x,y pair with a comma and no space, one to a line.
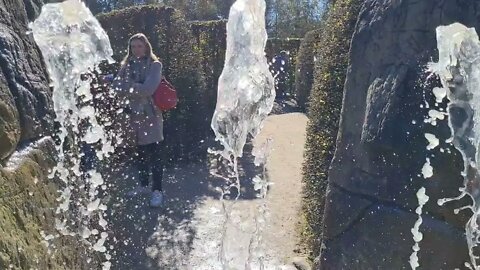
165,97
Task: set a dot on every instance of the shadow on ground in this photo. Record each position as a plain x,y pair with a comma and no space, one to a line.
148,238
162,238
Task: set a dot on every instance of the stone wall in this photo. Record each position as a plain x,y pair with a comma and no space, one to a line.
25,98
381,148
27,196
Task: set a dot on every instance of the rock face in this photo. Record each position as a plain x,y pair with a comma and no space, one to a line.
381,147
27,197
25,98
9,120
27,208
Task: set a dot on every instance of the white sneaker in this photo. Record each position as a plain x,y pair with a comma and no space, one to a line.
157,199
138,190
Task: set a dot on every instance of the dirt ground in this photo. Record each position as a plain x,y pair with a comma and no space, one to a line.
192,230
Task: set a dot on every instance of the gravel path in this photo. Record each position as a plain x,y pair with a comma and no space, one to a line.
187,232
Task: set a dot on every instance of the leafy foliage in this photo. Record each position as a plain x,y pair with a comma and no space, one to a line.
307,56
211,43
324,113
293,18
284,18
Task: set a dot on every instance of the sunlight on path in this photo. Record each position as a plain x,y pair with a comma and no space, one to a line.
186,234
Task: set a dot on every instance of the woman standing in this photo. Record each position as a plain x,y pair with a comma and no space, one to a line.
138,78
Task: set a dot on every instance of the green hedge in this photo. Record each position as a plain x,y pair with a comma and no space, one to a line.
186,126
193,55
304,71
210,44
324,112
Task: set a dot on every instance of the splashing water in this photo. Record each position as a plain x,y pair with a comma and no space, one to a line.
417,235
427,172
261,182
246,89
459,70
72,42
246,94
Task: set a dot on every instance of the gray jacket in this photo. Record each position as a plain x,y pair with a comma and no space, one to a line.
135,84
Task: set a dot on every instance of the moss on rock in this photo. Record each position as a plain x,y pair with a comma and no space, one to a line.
27,206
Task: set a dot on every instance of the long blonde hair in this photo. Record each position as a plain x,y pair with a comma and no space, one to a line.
145,40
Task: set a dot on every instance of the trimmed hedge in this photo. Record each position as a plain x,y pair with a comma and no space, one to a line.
304,71
186,126
324,112
210,44
193,55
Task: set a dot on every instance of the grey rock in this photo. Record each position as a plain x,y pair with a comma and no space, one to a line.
381,146
381,239
393,41
380,152
24,70
341,211
9,121
28,198
382,99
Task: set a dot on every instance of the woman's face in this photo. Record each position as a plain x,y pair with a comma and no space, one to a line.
138,47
